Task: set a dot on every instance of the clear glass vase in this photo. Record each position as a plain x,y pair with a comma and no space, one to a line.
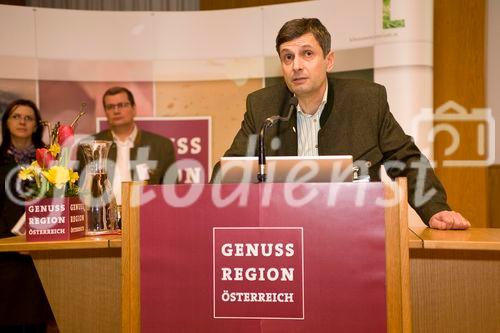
97,192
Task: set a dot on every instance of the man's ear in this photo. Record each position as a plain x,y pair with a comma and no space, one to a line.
330,60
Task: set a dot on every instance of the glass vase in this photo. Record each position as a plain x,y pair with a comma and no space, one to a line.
97,191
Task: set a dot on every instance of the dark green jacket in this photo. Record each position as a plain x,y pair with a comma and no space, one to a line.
355,121
160,151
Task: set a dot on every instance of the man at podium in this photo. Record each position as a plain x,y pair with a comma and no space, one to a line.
339,117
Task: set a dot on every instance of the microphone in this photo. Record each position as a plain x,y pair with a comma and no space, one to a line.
269,122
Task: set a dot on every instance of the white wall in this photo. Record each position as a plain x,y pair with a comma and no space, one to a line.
72,45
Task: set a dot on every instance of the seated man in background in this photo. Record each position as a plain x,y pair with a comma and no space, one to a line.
128,139
338,117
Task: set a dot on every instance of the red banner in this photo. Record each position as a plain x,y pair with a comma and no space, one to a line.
263,258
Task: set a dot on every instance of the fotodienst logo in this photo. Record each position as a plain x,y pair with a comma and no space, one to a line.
462,129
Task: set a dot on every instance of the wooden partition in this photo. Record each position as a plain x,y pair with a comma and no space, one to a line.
397,260
131,266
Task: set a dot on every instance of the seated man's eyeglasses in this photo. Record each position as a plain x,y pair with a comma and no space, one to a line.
118,106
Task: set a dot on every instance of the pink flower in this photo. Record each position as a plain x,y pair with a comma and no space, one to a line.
44,157
65,135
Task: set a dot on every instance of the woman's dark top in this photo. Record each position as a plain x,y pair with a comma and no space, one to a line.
22,298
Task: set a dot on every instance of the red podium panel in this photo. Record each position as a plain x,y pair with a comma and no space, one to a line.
284,258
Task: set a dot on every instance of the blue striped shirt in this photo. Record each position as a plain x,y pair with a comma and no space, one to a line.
307,129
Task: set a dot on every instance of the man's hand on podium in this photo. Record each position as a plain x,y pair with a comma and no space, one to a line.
446,220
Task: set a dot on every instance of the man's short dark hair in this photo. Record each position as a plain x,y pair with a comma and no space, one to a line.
295,28
118,90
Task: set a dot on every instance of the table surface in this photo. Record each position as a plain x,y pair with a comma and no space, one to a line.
418,237
19,243
471,239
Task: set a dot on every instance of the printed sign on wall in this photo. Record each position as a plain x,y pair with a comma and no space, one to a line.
191,137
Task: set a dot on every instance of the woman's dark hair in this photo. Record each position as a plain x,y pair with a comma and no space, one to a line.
36,137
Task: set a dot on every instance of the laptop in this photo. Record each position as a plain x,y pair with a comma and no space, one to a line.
288,169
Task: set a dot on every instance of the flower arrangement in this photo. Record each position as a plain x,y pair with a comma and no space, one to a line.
50,175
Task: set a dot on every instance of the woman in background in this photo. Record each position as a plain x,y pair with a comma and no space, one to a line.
23,304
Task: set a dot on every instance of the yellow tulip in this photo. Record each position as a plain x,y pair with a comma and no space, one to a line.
57,175
26,173
73,176
54,149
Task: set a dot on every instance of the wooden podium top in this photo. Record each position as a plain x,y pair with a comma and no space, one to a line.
414,242
19,244
471,239
419,237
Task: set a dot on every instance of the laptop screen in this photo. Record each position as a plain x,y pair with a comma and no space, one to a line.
288,169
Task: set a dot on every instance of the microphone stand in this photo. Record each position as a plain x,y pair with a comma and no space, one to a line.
269,122
261,176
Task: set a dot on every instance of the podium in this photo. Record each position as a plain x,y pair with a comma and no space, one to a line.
95,266
266,258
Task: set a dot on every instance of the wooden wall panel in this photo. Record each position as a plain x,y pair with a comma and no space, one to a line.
459,48
13,2
227,4
494,195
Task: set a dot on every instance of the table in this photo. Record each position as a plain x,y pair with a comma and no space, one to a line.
455,280
82,280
